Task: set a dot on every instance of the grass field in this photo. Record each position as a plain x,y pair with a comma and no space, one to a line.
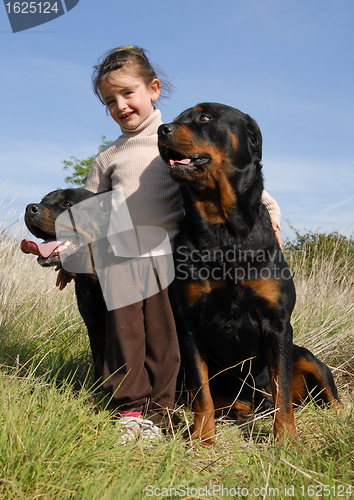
58,440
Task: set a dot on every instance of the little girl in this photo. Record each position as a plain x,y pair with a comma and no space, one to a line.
141,352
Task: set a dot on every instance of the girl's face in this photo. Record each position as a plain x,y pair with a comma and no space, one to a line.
129,100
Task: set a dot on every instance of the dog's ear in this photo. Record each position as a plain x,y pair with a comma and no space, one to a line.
254,139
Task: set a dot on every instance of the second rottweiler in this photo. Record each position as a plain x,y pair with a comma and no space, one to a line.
40,218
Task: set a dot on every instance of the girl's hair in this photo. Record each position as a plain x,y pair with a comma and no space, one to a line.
117,58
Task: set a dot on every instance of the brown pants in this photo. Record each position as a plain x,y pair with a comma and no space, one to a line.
142,356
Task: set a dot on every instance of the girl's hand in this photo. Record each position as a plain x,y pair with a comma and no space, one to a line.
63,278
277,234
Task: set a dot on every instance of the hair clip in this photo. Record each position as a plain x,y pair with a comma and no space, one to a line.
127,47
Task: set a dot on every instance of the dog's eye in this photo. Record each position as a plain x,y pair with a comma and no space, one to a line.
67,204
204,118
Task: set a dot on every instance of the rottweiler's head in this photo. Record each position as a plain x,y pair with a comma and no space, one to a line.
209,141
76,230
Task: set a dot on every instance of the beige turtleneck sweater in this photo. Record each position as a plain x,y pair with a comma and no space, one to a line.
132,164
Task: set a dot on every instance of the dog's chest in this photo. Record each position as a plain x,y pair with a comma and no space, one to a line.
226,287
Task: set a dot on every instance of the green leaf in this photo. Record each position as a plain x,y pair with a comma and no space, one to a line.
79,169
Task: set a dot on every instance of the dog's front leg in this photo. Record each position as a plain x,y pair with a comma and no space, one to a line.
195,362
279,355
203,406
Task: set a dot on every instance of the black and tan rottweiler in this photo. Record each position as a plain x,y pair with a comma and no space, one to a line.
233,294
40,219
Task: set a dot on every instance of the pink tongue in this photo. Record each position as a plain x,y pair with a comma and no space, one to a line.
43,249
185,161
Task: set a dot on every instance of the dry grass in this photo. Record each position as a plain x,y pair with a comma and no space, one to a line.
323,319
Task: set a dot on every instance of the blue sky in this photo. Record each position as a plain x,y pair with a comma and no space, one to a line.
289,64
